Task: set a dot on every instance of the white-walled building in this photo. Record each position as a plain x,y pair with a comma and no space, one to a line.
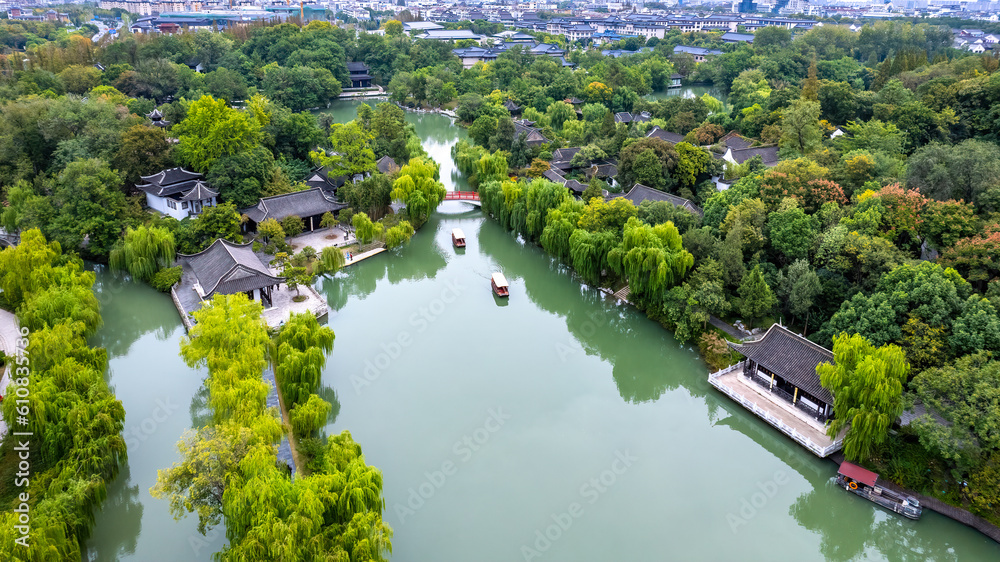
177,193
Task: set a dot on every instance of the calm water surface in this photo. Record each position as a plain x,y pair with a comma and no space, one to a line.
555,425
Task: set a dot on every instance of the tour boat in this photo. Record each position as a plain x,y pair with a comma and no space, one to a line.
500,285
458,237
863,482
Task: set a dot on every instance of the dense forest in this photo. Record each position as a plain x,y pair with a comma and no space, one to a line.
888,231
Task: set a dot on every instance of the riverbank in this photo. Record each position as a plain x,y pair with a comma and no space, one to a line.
950,511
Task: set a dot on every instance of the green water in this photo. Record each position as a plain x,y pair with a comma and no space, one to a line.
688,92
163,398
497,422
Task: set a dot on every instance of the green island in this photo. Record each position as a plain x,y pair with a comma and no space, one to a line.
724,272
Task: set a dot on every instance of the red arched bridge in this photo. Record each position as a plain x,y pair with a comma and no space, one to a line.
470,196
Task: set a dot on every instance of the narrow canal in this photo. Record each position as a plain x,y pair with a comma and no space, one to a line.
556,425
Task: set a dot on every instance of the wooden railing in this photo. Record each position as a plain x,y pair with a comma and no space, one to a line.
461,196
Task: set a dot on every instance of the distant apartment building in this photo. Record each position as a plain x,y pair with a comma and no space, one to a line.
143,8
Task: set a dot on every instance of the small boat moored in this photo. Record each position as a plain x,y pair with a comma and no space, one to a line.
458,237
864,483
500,287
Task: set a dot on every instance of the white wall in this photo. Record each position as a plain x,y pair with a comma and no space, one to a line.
160,204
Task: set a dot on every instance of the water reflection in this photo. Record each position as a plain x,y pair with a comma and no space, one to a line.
121,302
836,545
123,510
607,332
201,414
330,395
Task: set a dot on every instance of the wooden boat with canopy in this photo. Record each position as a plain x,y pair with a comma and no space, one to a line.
500,286
864,483
458,237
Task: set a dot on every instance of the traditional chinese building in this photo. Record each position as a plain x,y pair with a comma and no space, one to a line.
178,193
785,363
228,268
309,205
778,383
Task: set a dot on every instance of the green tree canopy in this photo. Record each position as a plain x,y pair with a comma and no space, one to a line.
867,387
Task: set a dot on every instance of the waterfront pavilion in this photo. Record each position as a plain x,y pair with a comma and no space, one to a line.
778,382
226,268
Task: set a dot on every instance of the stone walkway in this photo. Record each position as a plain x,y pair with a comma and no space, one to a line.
318,239
9,334
362,256
283,304
753,397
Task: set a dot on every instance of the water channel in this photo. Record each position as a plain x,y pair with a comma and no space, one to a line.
556,425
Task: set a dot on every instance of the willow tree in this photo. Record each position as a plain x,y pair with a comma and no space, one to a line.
589,252
491,167
143,252
364,229
302,346
651,258
540,197
560,223
418,187
331,259
398,235
867,386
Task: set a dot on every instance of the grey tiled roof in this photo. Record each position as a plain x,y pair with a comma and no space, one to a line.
199,192
228,268
387,165
790,356
169,182
734,140
171,175
769,154
299,203
554,176
640,193
561,157
657,133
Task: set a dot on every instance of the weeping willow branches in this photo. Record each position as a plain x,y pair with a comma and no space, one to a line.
143,252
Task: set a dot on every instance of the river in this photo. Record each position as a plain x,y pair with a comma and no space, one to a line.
556,425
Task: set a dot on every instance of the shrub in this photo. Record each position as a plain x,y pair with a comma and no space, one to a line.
166,278
713,347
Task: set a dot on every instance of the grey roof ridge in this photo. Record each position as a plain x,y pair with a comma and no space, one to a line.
812,344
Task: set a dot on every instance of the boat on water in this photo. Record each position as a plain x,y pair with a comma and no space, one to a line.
500,286
458,237
864,483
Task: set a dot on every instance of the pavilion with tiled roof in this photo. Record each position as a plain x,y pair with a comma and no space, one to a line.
228,268
785,364
309,205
